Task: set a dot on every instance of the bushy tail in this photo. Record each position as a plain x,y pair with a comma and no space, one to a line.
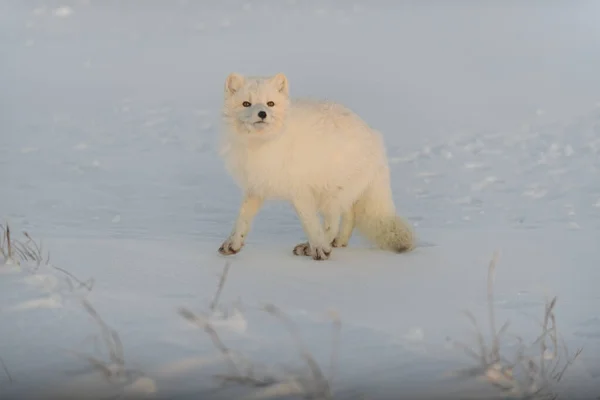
375,217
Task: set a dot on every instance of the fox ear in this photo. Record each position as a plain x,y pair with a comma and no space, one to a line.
233,83
281,83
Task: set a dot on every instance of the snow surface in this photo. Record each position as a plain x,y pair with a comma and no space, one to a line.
109,113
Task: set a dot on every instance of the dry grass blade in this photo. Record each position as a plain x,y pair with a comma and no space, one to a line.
20,253
6,371
569,362
109,335
337,329
554,335
5,242
113,368
480,341
470,352
118,353
2,236
246,380
242,370
503,329
528,376
222,279
16,251
8,242
203,324
89,284
287,388
495,352
96,363
38,249
319,379
543,347
27,252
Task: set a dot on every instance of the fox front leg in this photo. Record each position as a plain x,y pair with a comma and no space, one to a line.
251,204
317,247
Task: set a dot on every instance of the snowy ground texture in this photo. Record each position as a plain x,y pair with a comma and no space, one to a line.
109,113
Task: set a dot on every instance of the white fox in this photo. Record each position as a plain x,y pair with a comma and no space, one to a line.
319,156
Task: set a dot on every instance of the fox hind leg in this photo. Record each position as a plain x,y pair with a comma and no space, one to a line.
345,230
331,219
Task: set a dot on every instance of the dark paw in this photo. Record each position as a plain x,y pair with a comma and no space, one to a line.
317,253
303,249
338,243
320,253
229,247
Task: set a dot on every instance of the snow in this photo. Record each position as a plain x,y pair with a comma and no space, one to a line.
109,115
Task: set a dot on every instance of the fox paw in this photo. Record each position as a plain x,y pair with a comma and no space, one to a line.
303,249
337,242
317,253
231,246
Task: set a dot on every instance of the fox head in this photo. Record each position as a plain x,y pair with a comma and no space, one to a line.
255,106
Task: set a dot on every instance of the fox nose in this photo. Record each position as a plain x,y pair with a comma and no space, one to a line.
262,114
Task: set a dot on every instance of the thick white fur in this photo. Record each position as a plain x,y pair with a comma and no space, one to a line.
319,156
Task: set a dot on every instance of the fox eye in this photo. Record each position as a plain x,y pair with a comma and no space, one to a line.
246,104
270,103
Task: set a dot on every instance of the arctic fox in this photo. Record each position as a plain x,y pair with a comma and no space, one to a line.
319,156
